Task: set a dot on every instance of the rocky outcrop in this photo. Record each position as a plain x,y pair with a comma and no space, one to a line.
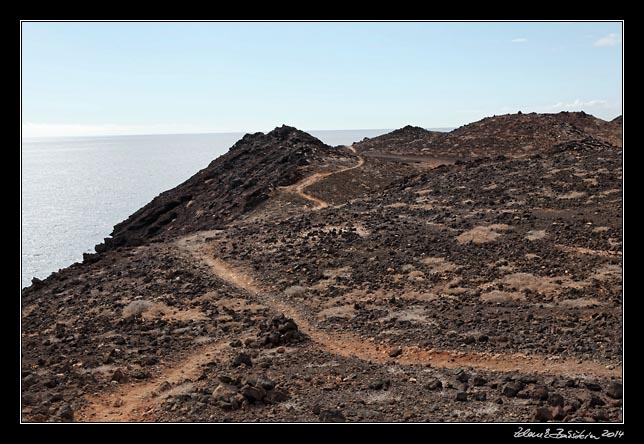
513,135
232,185
406,140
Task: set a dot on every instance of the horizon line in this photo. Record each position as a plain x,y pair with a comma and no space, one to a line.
443,129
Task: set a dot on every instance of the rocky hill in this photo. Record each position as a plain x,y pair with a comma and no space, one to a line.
406,140
509,135
230,186
292,281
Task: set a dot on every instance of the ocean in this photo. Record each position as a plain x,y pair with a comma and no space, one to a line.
74,190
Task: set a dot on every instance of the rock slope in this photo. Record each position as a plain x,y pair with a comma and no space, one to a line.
292,281
229,187
509,135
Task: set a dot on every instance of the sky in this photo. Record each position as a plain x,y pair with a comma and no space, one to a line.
116,78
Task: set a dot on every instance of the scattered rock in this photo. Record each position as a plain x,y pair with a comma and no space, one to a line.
266,383
614,390
601,415
395,352
331,416
379,385
596,401
253,394
242,358
511,389
275,396
141,374
461,396
434,384
479,396
29,380
279,330
66,413
479,381
543,414
462,376
555,399
118,375
558,413
164,386
540,392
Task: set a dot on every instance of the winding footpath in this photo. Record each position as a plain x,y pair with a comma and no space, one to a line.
131,402
349,345
299,187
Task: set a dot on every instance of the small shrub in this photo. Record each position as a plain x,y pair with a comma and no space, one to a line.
136,308
295,291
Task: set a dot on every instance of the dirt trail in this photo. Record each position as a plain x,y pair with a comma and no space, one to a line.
346,344
298,188
129,402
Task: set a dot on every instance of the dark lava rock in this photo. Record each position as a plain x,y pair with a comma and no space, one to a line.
66,413
29,380
558,413
614,390
225,379
555,399
396,351
279,331
601,415
118,375
593,386
227,397
461,396
479,396
596,401
331,416
379,385
511,389
253,394
434,384
141,374
242,358
462,376
276,395
543,414
540,393
265,383
150,360
236,343
479,381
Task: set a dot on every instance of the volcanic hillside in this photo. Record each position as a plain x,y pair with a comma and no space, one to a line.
510,135
291,281
230,186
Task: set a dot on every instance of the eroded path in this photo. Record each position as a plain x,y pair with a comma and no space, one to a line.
134,401
130,402
346,344
299,187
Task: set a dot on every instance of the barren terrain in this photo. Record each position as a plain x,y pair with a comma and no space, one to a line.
471,276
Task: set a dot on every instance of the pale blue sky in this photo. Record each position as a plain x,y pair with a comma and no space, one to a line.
142,78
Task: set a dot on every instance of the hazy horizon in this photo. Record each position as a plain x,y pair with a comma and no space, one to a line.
444,129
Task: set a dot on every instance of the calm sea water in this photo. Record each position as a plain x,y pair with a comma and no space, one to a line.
74,190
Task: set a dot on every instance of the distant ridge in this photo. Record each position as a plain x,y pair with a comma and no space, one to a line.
509,134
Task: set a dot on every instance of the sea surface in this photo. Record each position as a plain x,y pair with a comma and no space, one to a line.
74,190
